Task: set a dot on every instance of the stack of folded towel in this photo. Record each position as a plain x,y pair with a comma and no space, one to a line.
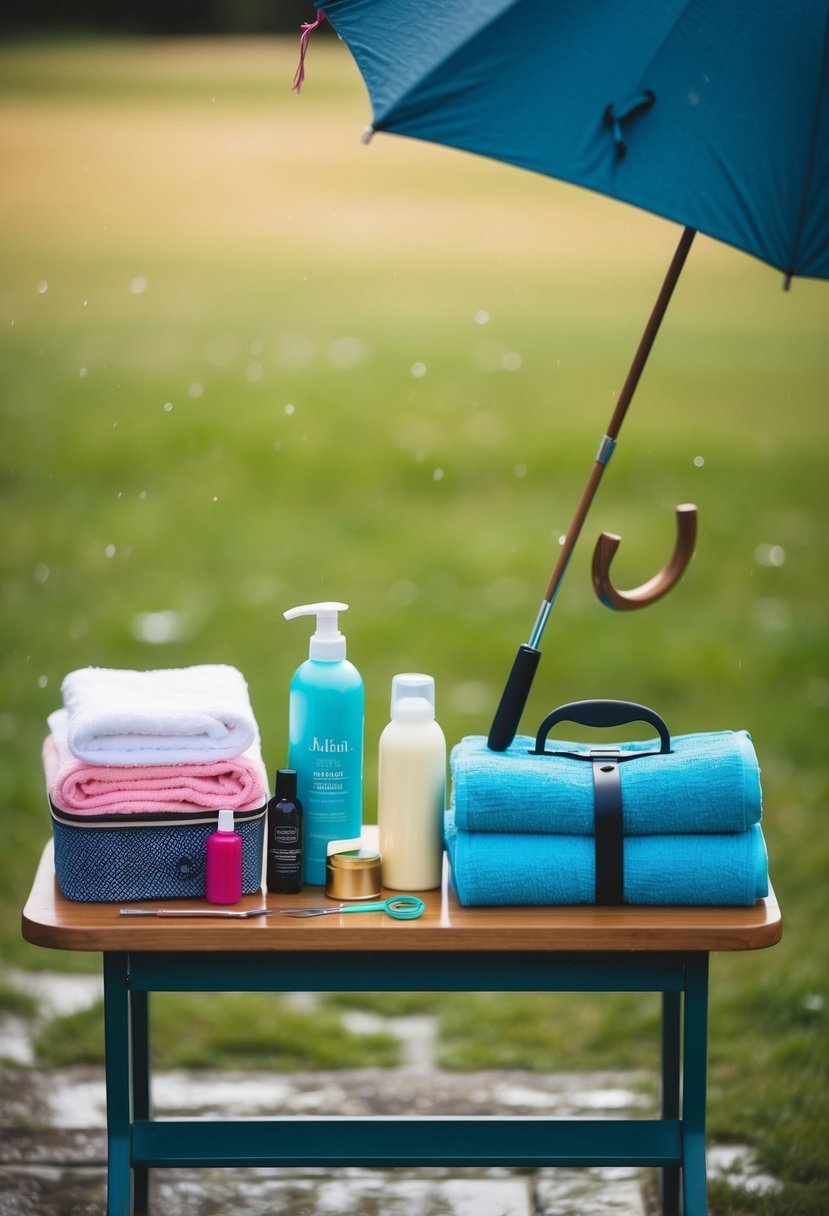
183,739
520,827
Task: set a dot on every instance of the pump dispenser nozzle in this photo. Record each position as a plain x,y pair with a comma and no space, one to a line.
327,644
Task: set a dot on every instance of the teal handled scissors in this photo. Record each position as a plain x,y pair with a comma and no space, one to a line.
401,907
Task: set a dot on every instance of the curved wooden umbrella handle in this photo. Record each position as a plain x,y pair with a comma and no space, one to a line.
661,583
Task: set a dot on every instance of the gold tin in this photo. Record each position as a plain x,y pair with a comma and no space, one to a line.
353,874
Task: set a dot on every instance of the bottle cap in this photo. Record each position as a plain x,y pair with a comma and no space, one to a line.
327,644
285,787
413,697
225,821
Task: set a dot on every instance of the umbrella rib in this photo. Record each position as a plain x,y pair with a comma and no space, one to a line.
810,161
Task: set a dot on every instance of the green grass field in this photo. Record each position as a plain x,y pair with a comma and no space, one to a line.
248,362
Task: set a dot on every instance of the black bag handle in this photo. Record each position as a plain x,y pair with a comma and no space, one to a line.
601,714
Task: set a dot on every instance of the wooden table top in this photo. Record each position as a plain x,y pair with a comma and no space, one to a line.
52,921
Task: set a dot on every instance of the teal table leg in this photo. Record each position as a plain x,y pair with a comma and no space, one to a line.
118,1084
141,1100
694,1080
669,1094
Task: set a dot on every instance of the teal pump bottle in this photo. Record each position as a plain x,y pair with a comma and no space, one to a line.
325,744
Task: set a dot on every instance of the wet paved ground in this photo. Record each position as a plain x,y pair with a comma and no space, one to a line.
53,1148
52,1159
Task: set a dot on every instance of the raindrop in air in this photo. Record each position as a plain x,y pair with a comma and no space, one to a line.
402,593
109,551
512,361
482,317
254,373
699,461
348,352
42,681
78,628
168,405
41,572
42,287
772,615
195,389
437,475
520,470
770,555
290,408
159,627
294,350
138,285
418,370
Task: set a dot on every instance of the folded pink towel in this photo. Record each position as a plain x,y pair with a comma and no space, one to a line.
240,783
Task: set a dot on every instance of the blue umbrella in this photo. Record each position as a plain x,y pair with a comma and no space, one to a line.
712,113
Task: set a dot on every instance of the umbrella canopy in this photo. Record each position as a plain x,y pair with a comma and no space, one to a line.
713,113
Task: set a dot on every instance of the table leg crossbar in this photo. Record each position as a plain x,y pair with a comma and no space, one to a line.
446,1141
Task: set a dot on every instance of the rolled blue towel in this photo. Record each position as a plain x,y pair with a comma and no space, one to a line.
707,783
490,868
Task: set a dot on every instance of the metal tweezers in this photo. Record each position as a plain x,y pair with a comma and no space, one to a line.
227,913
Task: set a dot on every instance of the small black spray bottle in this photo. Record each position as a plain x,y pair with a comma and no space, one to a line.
284,848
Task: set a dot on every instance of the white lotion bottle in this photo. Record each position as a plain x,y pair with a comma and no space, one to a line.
412,787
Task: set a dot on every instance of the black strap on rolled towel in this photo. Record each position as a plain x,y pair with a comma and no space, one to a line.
609,830
609,837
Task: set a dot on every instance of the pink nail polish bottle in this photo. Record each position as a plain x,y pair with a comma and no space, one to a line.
224,863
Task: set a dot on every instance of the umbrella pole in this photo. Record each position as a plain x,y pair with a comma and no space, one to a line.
517,688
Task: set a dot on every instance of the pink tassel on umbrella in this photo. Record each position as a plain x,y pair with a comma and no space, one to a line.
308,28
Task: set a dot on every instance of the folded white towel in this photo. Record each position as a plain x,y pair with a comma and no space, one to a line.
176,716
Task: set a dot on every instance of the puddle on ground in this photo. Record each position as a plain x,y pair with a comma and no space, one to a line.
56,994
